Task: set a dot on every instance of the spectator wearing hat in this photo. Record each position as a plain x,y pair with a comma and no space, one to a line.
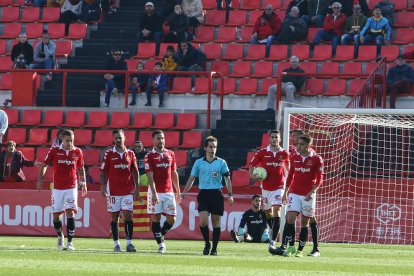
400,80
150,27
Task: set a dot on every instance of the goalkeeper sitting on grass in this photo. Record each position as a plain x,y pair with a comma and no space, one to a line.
254,220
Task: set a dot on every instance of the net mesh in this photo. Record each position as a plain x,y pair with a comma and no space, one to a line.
367,192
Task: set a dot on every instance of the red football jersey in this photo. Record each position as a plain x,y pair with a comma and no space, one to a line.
118,168
65,164
161,165
305,173
274,163
292,150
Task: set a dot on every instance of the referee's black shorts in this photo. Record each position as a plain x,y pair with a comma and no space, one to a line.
211,201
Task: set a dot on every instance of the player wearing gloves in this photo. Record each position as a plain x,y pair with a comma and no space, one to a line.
253,225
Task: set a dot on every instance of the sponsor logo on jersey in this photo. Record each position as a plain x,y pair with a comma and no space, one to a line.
302,169
163,165
121,166
60,153
256,221
274,164
67,162
115,158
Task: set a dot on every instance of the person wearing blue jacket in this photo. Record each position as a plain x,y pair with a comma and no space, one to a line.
157,81
400,80
190,59
377,29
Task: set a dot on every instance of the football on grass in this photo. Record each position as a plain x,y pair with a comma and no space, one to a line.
260,173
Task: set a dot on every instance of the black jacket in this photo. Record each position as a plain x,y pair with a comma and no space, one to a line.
152,23
297,81
120,65
24,48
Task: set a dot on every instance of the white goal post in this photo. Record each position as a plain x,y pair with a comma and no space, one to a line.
367,195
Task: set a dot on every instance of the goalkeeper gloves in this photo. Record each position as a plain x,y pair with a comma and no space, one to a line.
240,231
265,235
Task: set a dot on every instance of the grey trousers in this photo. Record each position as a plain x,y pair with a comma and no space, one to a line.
287,87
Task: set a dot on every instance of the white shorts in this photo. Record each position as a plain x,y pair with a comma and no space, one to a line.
272,198
64,200
120,203
297,203
166,204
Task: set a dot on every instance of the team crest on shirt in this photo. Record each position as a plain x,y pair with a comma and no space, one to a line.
310,162
215,174
74,155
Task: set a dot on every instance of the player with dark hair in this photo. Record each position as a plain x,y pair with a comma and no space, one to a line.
67,161
254,220
275,160
210,170
305,177
140,154
120,185
162,177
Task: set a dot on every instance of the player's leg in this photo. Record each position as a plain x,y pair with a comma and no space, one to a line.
127,206
276,206
315,233
71,206
203,211
170,211
113,204
267,197
303,235
58,208
155,211
293,208
217,210
215,221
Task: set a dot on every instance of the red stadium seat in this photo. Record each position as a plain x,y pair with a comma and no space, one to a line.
247,87
322,52
83,137
281,66
265,140
390,52
3,47
204,34
209,4
370,66
56,30
31,117
253,16
50,14
404,19
13,115
38,136
119,120
186,121
263,69
11,30
400,5
309,67
164,121
191,140
28,153
130,136
9,14
34,30
30,14
226,34
132,63
41,154
201,86
240,178
163,49
77,31
330,68
237,18
241,69
335,87
181,85
367,52
301,51
276,4
5,3
95,174
74,119
250,5
233,52
97,119
142,120
229,86
265,85
146,50
103,138
63,48
250,156
52,118
278,52
246,34
6,81
215,17
181,158
212,51
18,135
314,87
31,173
352,68
344,52
404,36
145,137
150,64
255,52
355,86
220,66
172,139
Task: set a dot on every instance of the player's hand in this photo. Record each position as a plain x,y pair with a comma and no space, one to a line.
309,195
39,186
103,191
154,198
361,39
284,198
84,190
231,200
183,195
254,178
178,198
136,194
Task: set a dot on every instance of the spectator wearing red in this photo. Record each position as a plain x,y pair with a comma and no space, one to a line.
333,28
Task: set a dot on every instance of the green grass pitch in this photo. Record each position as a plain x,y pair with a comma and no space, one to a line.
39,256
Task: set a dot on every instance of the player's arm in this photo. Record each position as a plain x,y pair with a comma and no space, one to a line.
241,230
318,179
135,175
103,183
176,184
151,184
42,171
288,183
188,186
256,159
82,180
229,187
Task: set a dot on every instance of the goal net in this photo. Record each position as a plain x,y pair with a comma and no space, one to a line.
368,188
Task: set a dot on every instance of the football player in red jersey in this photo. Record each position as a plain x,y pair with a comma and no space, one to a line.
162,177
67,160
305,177
120,185
275,160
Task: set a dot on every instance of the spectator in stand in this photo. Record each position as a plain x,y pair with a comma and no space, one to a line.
11,163
91,11
333,27
316,12
55,3
228,7
387,10
290,84
22,53
294,28
302,5
58,140
44,54
377,29
170,63
194,10
364,7
261,28
400,80
346,7
35,3
190,59
353,27
70,12
178,22
165,8
114,82
138,82
150,27
4,125
157,81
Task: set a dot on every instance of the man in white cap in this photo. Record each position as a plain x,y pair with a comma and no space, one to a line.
150,27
